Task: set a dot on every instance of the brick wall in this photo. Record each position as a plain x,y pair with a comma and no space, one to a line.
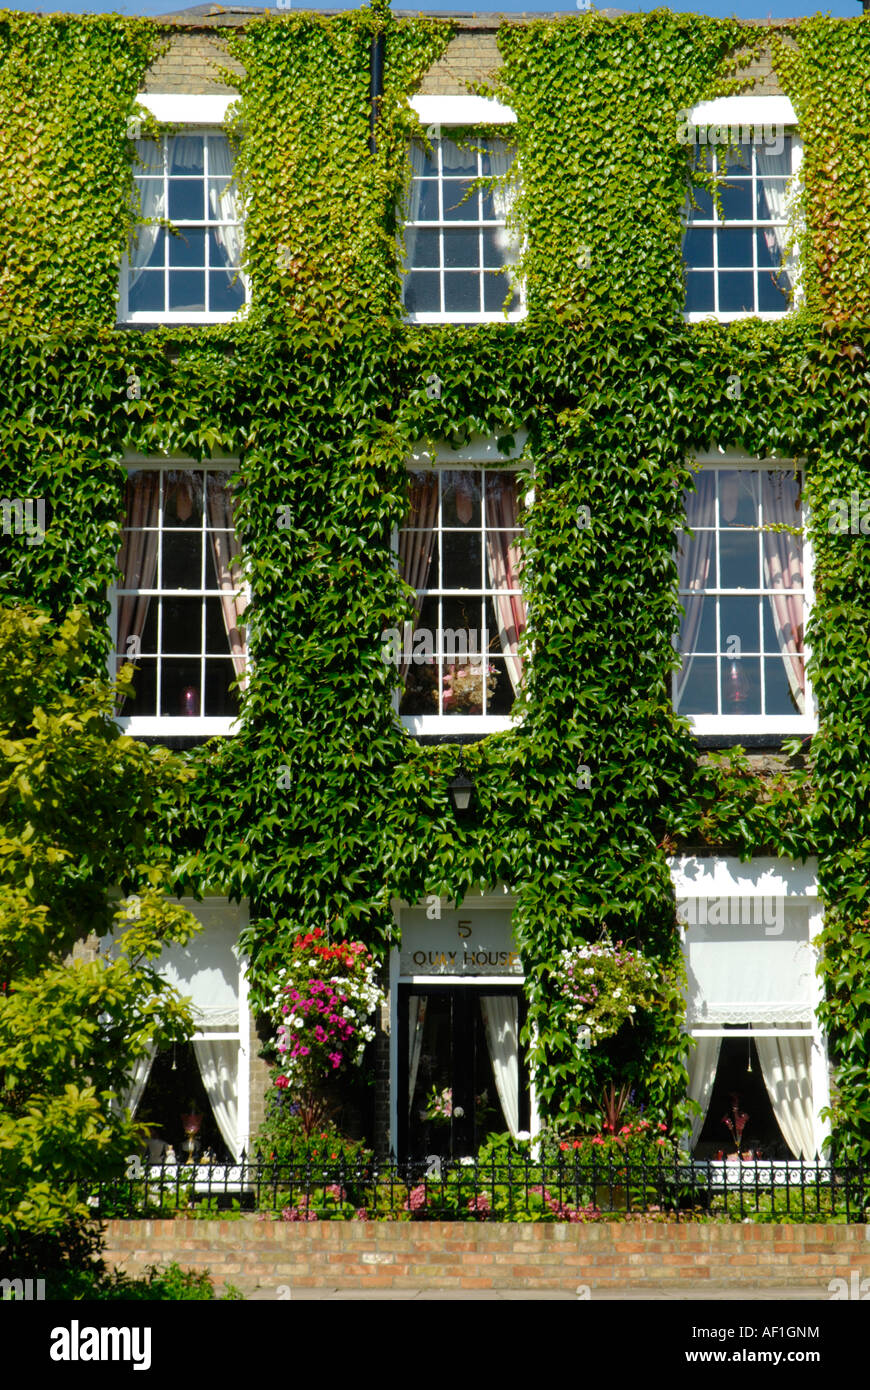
252,1253
191,64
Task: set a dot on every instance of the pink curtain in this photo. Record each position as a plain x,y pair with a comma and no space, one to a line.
137,561
503,554
783,569
696,569
225,551
415,547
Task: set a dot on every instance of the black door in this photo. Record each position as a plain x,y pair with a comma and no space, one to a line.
448,1101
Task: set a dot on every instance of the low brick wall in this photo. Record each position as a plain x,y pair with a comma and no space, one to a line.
252,1253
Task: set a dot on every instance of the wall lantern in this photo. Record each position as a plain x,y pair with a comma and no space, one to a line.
460,789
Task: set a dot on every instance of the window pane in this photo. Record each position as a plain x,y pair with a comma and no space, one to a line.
226,292
182,498
738,496
219,257
149,157
182,624
778,695
699,624
422,246
188,249
738,560
423,292
699,691
461,249
424,200
699,292
186,154
460,498
143,701
180,693
736,291
461,560
770,200
496,249
735,246
736,199
146,294
216,640
187,290
768,250
182,560
739,619
698,247
773,292
426,159
461,292
219,698
457,160
460,203
700,206
496,288
741,685
186,200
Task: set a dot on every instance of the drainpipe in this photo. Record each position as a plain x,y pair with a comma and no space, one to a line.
376,86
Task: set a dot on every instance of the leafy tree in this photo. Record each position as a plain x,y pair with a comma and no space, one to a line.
75,800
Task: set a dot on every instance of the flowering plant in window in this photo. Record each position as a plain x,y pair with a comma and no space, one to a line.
463,688
605,983
322,1004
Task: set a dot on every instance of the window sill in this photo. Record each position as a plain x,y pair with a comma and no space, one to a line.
466,318
708,316
457,723
155,320
156,726
751,726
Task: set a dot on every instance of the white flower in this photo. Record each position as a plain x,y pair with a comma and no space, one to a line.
617,994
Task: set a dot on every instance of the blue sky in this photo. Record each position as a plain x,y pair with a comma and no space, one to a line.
743,9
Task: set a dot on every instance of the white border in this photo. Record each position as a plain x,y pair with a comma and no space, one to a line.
176,108
782,725
480,450
167,725
709,876
456,110
745,110
474,901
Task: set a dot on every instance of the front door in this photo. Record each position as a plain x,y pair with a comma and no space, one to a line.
461,1073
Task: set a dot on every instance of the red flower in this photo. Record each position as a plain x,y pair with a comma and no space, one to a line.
281,1082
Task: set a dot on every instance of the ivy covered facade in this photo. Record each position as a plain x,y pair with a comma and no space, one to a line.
548,492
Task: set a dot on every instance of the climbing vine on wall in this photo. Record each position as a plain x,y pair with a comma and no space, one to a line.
321,810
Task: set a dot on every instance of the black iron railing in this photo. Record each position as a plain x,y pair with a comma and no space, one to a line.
508,1190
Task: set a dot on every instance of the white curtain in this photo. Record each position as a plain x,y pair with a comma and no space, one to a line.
785,1065
774,171
223,201
703,1062
218,1061
152,193
741,971
783,572
137,1080
500,1021
416,1023
419,162
696,562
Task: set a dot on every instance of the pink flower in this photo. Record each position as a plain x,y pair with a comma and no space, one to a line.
281,1082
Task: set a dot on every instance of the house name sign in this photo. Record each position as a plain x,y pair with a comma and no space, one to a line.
468,941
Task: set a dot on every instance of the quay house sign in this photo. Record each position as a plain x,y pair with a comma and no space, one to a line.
468,941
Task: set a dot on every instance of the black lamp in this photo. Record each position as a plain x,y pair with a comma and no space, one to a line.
460,789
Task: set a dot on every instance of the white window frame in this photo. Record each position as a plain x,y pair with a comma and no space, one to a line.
169,725
709,876
434,457
746,724
500,897
204,115
750,111
447,111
